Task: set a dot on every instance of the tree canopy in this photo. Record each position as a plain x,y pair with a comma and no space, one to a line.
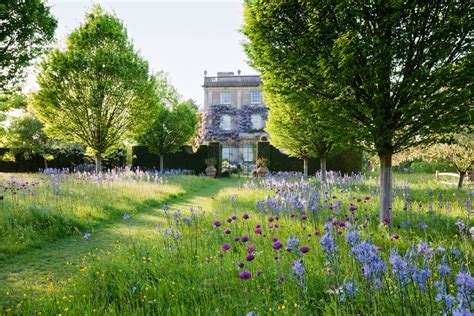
172,127
25,28
296,127
26,136
399,73
98,91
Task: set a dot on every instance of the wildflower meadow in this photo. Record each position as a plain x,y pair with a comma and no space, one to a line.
280,245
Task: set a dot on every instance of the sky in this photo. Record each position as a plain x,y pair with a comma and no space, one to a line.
182,38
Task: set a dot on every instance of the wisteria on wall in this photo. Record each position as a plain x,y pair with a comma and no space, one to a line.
242,119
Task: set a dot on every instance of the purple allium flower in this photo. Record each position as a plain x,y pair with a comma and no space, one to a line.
339,232
241,265
276,225
246,216
303,217
258,231
225,247
274,239
246,274
236,239
367,198
258,226
304,249
244,239
341,224
394,236
227,231
316,233
234,217
250,248
352,208
229,220
217,224
250,257
359,200
277,245
271,219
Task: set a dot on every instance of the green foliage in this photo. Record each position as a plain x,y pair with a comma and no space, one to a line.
98,91
172,127
296,127
393,74
25,28
26,136
398,72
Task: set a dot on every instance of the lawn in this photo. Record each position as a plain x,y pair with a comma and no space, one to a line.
190,245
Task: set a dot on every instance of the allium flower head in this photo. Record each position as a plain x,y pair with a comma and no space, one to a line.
277,245
225,247
217,224
244,275
304,249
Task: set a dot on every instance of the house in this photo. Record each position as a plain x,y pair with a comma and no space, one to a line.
234,113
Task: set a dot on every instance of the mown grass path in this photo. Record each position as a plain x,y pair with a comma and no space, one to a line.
38,268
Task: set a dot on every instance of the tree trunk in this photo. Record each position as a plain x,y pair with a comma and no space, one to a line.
45,163
161,164
461,178
322,162
98,164
386,188
305,167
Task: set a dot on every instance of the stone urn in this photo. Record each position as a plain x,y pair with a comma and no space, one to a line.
262,171
211,171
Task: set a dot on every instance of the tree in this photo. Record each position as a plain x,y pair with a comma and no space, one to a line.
98,91
395,73
295,126
25,28
8,102
459,153
172,127
26,137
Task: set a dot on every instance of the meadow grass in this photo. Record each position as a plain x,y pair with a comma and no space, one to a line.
192,260
37,209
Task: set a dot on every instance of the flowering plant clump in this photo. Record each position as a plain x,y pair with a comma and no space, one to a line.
281,245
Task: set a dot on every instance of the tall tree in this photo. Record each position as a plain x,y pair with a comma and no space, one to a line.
26,136
172,127
98,91
295,126
398,72
25,28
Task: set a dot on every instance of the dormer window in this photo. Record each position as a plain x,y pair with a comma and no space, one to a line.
225,123
255,97
225,98
257,122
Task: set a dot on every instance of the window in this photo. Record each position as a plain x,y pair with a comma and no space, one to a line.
257,122
248,153
255,97
225,98
225,123
226,155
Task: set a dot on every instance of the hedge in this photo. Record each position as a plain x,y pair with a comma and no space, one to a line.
347,161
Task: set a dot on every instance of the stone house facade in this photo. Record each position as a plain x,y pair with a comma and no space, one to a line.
234,113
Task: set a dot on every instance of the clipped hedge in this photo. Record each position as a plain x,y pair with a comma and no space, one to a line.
347,161
62,159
